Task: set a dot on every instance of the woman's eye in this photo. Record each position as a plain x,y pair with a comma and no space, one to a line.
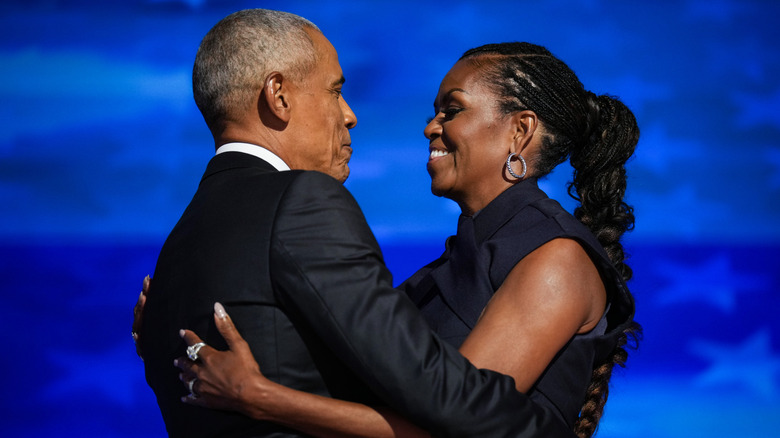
450,112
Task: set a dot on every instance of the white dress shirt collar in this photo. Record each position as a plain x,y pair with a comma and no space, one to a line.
258,151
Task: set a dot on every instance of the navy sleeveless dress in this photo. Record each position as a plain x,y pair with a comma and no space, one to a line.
452,291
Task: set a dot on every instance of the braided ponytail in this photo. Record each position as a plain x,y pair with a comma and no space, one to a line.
599,184
599,181
598,389
598,134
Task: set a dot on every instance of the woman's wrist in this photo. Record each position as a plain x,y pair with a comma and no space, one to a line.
257,398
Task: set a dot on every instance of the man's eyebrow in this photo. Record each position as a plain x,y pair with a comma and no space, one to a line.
339,81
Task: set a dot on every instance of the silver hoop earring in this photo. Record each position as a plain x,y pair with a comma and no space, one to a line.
509,165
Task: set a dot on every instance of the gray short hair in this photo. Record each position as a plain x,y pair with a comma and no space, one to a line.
238,53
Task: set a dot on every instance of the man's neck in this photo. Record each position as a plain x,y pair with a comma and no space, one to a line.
256,150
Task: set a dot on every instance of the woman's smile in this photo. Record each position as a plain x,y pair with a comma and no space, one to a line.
437,153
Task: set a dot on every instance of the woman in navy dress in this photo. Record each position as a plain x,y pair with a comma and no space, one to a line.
524,287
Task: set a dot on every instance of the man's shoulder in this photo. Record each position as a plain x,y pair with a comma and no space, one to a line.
317,198
317,185
313,177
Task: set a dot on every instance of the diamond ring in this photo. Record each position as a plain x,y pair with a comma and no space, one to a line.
192,350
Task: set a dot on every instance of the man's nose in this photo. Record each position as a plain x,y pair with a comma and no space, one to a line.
350,120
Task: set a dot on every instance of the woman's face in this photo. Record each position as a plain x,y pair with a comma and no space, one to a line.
469,140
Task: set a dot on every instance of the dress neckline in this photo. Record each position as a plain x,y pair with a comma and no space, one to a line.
501,209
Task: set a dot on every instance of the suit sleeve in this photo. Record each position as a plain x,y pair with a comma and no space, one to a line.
328,269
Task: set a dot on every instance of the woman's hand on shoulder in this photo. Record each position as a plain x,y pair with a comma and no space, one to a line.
552,294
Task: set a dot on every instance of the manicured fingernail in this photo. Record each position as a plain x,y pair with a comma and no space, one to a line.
181,333
146,282
220,311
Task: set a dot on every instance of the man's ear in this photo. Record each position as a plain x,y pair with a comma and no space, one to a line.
524,124
276,96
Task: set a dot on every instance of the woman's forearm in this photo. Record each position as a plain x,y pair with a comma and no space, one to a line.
323,417
232,380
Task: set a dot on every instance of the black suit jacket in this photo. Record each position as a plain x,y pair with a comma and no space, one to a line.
293,260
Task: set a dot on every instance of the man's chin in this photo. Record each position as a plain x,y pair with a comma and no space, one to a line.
344,176
341,174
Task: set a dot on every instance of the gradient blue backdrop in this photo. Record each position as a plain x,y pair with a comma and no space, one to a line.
101,148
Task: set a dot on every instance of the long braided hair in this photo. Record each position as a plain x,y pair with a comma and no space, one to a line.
598,134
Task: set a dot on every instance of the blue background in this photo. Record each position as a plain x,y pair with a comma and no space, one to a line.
101,147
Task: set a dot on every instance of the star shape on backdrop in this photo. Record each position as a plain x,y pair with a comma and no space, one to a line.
112,375
714,281
751,364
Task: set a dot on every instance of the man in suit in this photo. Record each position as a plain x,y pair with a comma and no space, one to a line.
289,254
